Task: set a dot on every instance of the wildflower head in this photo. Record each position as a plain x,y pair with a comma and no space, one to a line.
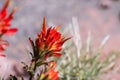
48,43
5,29
50,40
5,20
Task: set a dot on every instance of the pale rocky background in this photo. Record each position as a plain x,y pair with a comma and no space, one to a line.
101,17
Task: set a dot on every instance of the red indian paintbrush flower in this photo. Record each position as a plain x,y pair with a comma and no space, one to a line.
5,20
49,41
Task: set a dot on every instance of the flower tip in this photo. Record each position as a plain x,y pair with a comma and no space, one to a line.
44,21
66,39
58,27
44,24
6,4
30,39
14,10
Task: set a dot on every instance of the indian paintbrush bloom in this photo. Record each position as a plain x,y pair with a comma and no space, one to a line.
49,42
5,20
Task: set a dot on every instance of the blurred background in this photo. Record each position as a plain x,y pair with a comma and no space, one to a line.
100,17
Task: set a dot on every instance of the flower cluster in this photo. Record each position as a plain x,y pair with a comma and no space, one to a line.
5,29
47,44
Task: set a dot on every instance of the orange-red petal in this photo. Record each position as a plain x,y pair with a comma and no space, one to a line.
10,31
57,54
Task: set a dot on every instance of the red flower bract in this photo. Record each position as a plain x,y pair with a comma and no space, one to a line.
5,20
50,40
52,73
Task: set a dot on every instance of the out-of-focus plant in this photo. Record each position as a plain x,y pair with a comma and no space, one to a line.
5,29
81,61
5,23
